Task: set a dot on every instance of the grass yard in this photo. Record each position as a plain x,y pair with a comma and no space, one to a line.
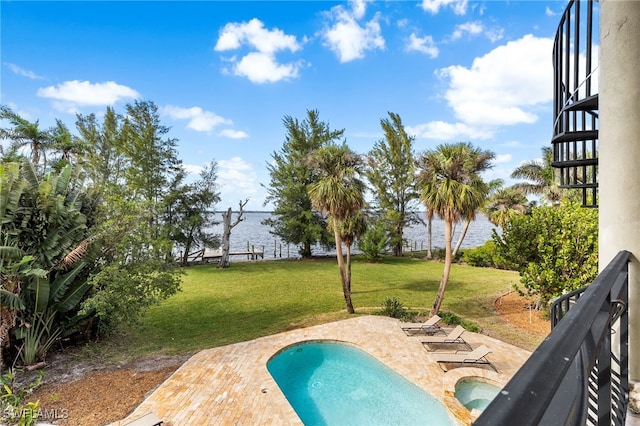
252,299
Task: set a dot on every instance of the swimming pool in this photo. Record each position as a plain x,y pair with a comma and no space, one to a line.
474,392
332,383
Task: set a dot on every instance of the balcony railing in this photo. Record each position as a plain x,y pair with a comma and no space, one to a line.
579,374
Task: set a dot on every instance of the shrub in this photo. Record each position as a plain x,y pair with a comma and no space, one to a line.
393,308
484,256
374,242
553,249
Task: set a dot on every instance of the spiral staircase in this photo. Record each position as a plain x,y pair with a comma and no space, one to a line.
575,101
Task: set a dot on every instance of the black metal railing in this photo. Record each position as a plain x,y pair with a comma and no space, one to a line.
579,374
575,100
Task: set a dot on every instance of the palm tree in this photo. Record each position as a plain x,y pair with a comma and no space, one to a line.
451,186
504,204
23,133
338,193
492,186
543,178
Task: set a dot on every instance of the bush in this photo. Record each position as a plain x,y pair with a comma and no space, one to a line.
374,242
553,249
484,256
393,308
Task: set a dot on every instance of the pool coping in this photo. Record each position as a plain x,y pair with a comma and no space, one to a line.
231,384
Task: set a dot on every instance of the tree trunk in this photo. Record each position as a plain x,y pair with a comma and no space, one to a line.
226,233
226,236
462,235
397,247
305,252
346,286
448,260
429,236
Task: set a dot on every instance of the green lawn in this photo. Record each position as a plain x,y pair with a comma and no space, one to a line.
248,300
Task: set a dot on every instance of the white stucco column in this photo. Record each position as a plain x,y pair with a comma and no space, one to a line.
619,153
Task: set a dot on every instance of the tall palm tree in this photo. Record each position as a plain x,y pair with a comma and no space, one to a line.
504,204
542,176
338,193
451,186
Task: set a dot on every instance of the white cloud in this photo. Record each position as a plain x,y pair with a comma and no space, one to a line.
501,88
441,130
472,28
348,38
233,134
192,169
433,6
20,71
260,65
549,12
502,158
423,44
71,94
237,178
255,35
199,119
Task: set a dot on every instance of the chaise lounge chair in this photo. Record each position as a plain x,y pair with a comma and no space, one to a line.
451,338
464,358
430,326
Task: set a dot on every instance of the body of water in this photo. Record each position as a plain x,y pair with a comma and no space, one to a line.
252,233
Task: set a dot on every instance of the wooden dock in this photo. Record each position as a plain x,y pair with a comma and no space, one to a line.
208,255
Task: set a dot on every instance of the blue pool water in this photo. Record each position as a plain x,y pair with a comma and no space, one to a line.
476,393
329,383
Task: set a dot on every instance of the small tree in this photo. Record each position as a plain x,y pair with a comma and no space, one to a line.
392,173
189,213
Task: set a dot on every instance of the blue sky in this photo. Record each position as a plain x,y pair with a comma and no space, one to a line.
225,74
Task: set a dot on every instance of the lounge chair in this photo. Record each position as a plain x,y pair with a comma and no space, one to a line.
464,358
451,338
430,326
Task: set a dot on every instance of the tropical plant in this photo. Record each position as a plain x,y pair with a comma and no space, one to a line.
46,256
24,133
504,204
338,193
541,176
492,186
391,172
452,188
393,308
293,218
374,241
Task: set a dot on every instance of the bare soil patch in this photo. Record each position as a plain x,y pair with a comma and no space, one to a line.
90,395
518,311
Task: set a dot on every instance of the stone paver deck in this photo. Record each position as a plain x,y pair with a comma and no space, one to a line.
230,385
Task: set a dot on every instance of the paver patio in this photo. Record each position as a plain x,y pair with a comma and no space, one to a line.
230,385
